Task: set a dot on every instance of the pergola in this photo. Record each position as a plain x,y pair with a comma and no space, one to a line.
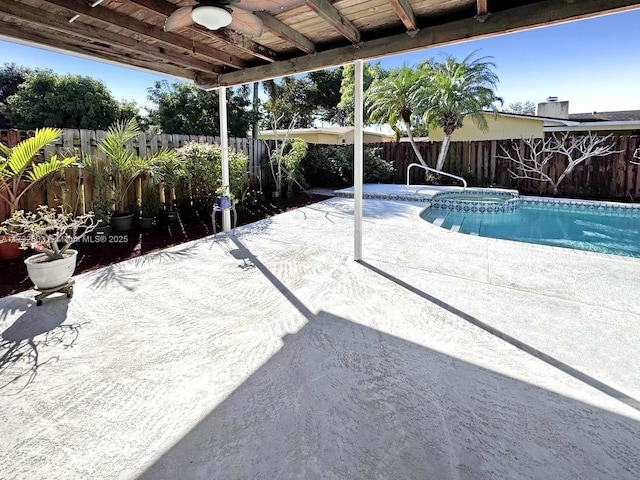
310,35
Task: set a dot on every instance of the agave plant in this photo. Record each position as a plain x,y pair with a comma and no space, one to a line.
19,170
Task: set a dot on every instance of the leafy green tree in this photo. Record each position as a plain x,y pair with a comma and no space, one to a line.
370,73
454,90
184,108
11,76
325,95
393,100
523,108
62,101
288,99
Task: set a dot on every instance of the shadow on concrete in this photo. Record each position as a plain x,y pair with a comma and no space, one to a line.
25,342
554,362
341,400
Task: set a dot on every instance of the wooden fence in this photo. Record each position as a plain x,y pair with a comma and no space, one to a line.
609,177
62,190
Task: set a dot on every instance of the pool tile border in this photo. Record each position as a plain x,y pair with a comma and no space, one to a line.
587,205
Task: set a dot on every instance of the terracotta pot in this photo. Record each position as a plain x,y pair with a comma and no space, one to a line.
51,274
9,250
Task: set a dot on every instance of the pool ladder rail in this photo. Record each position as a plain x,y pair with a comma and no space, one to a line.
429,169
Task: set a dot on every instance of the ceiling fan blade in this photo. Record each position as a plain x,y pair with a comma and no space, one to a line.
179,19
245,22
267,5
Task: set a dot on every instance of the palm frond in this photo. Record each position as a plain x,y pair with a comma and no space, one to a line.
42,170
24,152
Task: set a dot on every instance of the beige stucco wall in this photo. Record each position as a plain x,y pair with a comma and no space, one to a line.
501,127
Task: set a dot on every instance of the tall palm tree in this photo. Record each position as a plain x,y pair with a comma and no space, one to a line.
393,100
456,90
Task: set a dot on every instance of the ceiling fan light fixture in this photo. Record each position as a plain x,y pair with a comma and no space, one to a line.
211,16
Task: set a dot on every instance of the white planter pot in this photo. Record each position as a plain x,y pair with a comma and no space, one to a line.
51,274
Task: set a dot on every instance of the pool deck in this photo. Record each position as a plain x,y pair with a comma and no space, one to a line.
272,354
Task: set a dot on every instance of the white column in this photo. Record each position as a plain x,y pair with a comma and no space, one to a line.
357,163
224,150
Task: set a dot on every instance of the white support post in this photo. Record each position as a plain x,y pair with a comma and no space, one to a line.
358,162
224,150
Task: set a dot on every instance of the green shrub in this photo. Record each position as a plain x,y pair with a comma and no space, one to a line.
328,166
332,166
204,170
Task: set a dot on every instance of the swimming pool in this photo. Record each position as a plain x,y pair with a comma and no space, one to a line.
591,226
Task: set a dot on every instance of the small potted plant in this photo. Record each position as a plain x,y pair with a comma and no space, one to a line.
150,205
125,167
50,234
225,199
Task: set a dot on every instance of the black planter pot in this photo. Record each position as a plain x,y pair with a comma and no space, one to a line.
146,223
122,223
168,216
101,232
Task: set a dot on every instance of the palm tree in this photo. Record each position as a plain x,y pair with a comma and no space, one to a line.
454,91
393,100
19,171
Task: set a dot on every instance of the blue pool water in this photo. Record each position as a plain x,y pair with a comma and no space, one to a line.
617,233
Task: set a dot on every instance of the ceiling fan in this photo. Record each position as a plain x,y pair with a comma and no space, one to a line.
234,14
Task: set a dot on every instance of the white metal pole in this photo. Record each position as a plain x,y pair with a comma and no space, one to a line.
357,163
224,150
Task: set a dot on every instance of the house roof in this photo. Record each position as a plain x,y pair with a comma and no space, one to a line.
620,116
303,35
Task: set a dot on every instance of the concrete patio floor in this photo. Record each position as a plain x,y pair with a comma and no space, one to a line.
270,354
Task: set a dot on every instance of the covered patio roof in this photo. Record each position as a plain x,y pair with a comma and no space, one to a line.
309,35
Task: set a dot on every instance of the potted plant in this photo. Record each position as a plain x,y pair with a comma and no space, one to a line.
50,234
150,205
169,170
224,199
20,172
124,167
102,206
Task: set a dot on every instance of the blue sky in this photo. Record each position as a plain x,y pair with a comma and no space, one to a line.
591,63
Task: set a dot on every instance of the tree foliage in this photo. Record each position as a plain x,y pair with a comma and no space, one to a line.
46,99
394,100
455,90
186,109
326,95
523,108
370,73
289,99
11,76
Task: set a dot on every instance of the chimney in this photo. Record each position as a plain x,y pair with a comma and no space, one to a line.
553,108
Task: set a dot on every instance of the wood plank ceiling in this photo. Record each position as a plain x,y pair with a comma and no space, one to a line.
314,34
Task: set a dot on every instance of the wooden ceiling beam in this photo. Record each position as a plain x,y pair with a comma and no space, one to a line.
148,31
405,12
286,33
483,10
326,10
165,8
55,23
538,14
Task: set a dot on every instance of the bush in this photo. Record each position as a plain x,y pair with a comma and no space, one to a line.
328,166
204,170
332,166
